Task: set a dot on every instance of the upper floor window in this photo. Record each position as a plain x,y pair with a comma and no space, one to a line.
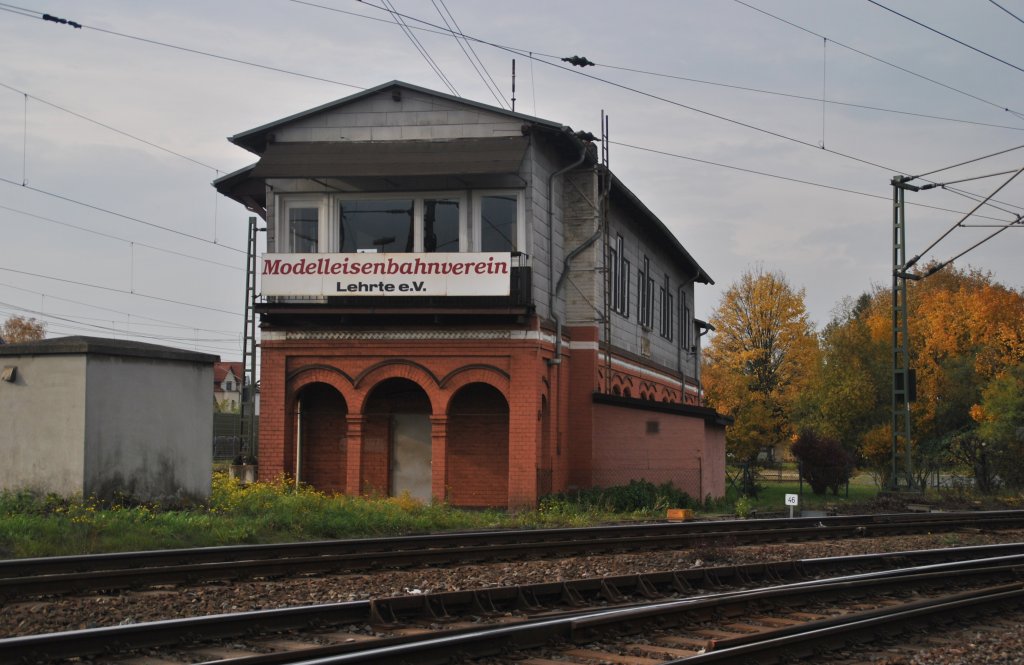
302,224
686,330
618,277
666,310
376,225
440,222
441,225
496,222
645,295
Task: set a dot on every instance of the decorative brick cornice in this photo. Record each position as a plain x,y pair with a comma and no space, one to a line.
388,335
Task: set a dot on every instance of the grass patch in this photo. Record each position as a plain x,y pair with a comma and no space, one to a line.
771,496
35,525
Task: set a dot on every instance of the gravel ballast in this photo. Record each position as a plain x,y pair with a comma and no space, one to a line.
52,614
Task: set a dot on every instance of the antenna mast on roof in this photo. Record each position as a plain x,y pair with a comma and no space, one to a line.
513,84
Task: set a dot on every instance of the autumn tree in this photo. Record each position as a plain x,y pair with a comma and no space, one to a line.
851,393
19,329
1000,432
763,354
966,331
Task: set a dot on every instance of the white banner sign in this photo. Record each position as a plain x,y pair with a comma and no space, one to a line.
369,274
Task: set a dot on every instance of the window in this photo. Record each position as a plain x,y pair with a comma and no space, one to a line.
302,231
376,225
685,323
645,295
618,277
436,222
441,225
497,223
666,310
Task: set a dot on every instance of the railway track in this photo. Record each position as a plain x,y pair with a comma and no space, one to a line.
22,578
697,613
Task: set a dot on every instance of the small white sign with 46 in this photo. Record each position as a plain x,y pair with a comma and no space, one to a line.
792,499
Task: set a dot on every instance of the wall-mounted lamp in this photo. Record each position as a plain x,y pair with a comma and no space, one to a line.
10,374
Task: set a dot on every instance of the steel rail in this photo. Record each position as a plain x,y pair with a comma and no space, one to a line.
152,558
587,628
441,606
852,628
377,553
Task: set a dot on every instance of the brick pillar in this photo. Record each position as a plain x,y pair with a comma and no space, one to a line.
273,419
523,442
439,457
354,458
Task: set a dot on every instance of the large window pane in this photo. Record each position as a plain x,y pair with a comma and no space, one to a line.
498,223
302,229
382,225
441,225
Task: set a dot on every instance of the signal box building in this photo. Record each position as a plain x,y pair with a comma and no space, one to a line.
460,303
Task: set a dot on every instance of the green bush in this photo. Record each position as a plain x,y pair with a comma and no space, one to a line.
638,495
824,463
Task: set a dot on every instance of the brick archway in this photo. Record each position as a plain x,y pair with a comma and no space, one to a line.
455,381
367,380
477,450
321,445
397,442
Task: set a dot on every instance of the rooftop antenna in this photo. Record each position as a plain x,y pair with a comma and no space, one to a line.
513,84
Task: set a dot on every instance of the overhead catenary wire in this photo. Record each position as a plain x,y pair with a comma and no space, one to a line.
969,161
1006,10
400,22
799,181
119,238
109,127
11,308
114,290
165,323
951,88
488,81
532,55
35,14
942,237
121,215
946,35
939,266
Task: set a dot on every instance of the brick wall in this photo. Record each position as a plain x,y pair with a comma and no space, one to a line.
477,448
553,437
323,438
633,444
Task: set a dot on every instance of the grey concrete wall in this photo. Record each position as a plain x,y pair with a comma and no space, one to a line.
42,424
148,428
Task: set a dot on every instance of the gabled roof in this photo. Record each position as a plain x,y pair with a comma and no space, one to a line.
255,140
221,369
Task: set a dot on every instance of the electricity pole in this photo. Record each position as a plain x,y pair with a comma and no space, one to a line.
902,376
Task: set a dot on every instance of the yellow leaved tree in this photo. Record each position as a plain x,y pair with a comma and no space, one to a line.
762,356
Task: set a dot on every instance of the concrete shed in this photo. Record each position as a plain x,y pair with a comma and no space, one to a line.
104,417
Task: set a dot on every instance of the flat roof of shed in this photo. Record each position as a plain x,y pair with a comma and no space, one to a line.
103,346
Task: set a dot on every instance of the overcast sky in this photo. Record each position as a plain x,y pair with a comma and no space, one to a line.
102,234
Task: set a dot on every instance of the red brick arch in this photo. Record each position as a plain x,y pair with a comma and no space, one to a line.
332,376
369,378
488,374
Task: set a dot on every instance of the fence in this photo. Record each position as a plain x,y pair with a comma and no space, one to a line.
229,435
